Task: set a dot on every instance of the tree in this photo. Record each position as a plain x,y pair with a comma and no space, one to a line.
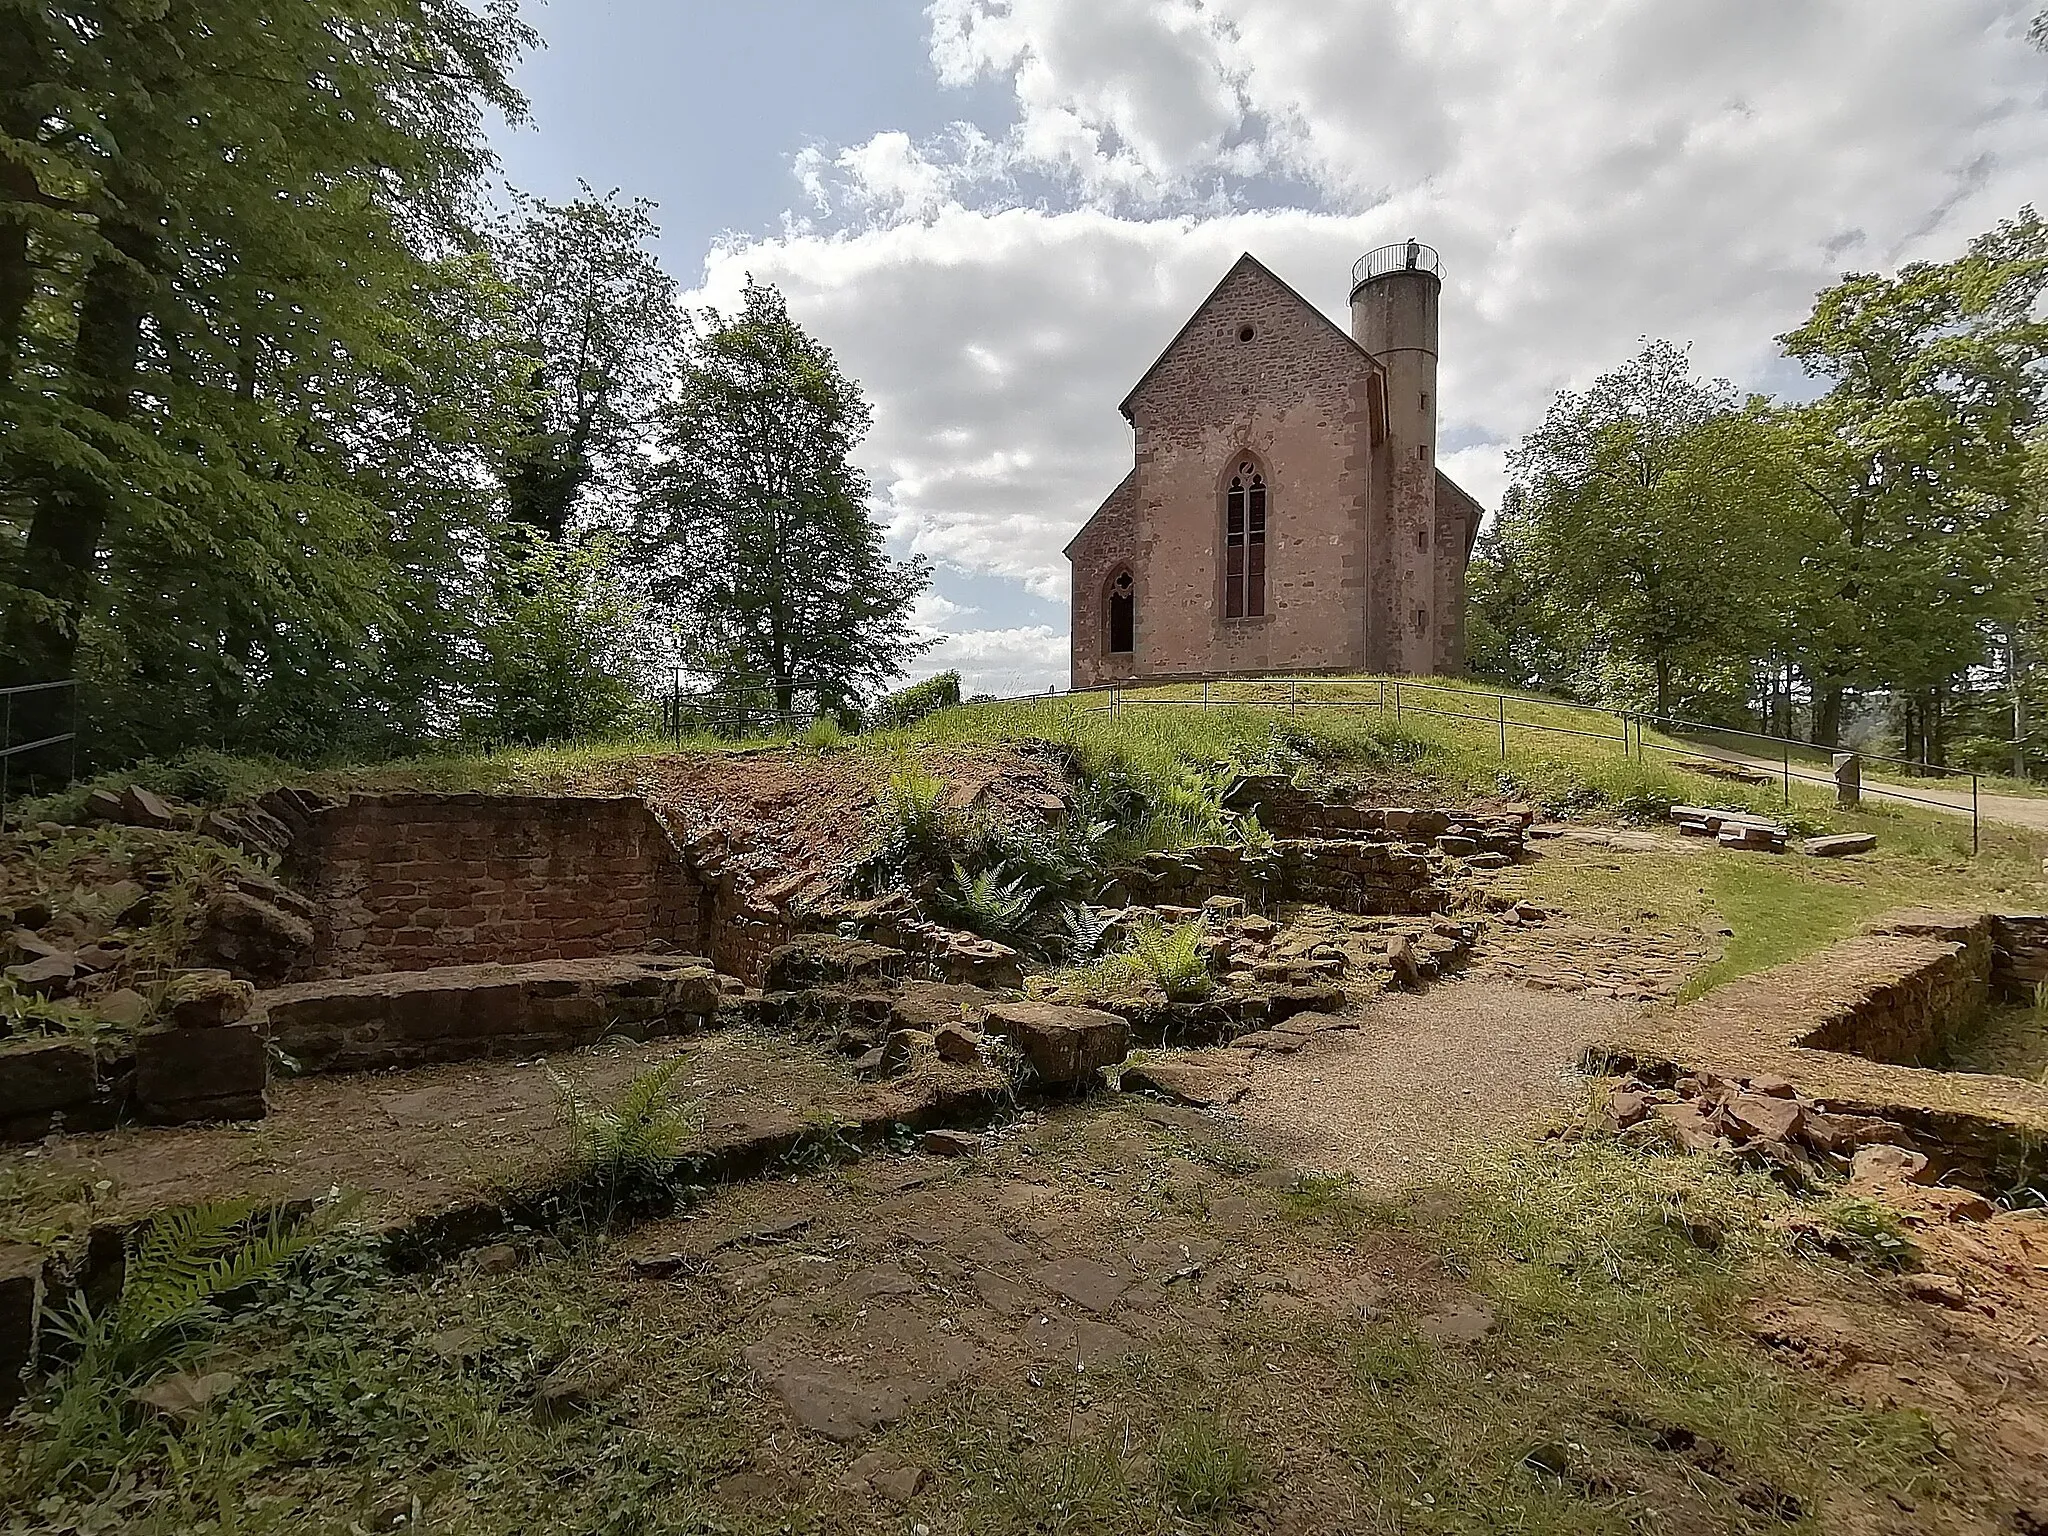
231,262
566,649
1917,456
1648,508
756,525
598,330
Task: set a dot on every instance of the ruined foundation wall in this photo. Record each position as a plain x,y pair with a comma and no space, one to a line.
412,881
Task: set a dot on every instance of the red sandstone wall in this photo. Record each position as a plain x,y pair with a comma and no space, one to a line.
407,882
1295,396
1108,541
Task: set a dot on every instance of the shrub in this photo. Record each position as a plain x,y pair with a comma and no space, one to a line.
908,706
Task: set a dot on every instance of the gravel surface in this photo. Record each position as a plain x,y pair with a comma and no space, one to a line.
1426,1082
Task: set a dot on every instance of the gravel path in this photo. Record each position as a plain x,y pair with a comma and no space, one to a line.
1427,1081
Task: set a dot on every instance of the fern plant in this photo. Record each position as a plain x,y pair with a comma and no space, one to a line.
636,1140
1077,931
1175,960
178,1270
985,903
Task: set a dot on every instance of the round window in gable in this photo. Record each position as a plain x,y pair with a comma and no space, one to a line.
1245,333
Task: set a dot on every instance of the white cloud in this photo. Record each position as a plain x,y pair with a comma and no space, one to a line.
1027,659
1594,171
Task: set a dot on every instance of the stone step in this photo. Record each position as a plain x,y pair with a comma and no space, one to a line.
466,1012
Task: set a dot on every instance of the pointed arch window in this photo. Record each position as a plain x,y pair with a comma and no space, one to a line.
1120,615
1244,543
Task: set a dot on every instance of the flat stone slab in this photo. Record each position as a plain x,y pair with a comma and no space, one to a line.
1212,1079
1064,1045
466,1012
1839,846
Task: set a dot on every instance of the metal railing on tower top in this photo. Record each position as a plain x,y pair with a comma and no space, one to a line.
1408,256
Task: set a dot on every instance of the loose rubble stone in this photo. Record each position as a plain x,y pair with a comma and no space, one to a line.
51,976
255,937
1936,1290
1763,1116
207,999
945,1143
126,1009
1064,1045
145,808
1881,1167
957,1044
186,1396
571,1391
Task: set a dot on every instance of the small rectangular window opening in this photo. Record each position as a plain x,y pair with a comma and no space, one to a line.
1422,454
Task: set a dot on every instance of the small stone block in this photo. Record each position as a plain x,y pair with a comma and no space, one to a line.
174,1066
41,1076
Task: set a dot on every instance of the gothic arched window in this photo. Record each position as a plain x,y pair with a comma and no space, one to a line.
1244,543
1120,615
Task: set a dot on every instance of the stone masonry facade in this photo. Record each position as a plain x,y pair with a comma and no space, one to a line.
407,882
1366,541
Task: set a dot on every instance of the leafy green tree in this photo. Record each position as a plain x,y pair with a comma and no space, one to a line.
223,232
1917,457
756,525
1649,509
598,329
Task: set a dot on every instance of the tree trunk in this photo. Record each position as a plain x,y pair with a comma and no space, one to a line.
1827,714
74,509
2016,674
1663,685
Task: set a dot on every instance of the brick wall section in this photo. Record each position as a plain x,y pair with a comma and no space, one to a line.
1349,875
411,881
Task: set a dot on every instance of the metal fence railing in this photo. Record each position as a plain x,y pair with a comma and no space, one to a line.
10,749
1503,714
741,706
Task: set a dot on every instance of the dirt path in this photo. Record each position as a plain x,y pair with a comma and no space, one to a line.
2014,810
1426,1081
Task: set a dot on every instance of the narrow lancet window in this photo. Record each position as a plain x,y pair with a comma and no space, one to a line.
1244,544
1121,618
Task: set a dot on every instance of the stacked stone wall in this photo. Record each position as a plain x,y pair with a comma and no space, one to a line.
414,881
465,1013
1349,875
2019,957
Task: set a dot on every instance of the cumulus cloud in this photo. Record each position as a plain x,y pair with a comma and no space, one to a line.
1594,171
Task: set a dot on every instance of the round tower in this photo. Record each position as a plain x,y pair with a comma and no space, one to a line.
1394,302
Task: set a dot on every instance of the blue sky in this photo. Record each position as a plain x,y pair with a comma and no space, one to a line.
997,211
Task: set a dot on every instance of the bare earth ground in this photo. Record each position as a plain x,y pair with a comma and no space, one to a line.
1425,1082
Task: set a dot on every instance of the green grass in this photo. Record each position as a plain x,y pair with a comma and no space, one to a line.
1782,910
